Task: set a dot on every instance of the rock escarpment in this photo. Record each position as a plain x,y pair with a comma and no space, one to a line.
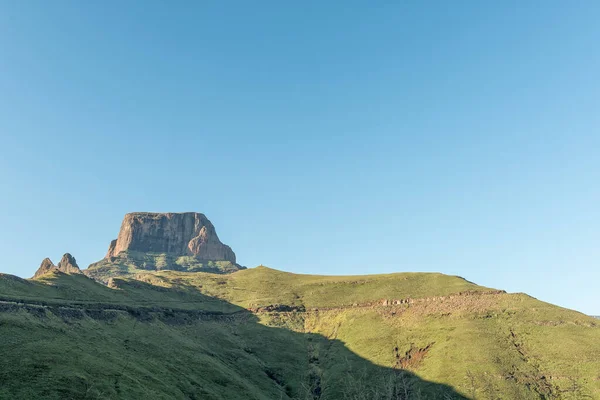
164,241
182,234
67,264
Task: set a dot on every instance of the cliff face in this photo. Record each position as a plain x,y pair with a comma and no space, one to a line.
184,234
164,241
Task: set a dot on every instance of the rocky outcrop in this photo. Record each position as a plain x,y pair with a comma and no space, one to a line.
46,266
111,249
182,234
67,264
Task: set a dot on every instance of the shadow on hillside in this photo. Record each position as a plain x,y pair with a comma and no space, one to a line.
329,370
274,361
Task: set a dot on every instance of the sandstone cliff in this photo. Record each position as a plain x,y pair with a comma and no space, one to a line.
164,241
183,234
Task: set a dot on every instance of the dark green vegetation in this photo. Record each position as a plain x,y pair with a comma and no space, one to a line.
129,263
266,334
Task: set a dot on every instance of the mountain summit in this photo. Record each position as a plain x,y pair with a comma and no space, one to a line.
164,241
67,264
182,234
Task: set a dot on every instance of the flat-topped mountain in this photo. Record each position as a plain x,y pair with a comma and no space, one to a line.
183,234
157,241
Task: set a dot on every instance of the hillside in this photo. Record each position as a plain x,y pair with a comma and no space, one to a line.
265,334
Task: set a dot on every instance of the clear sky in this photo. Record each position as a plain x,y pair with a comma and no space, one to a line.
319,137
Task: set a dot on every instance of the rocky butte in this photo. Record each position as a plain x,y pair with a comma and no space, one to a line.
184,234
155,241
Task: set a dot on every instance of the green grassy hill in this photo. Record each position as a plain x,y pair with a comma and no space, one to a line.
266,334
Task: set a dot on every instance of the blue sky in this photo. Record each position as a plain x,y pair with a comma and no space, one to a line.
346,138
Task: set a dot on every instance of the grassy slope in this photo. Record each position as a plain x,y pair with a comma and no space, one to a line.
505,346
487,346
263,286
71,338
56,356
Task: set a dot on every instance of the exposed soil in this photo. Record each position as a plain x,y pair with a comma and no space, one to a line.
412,358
